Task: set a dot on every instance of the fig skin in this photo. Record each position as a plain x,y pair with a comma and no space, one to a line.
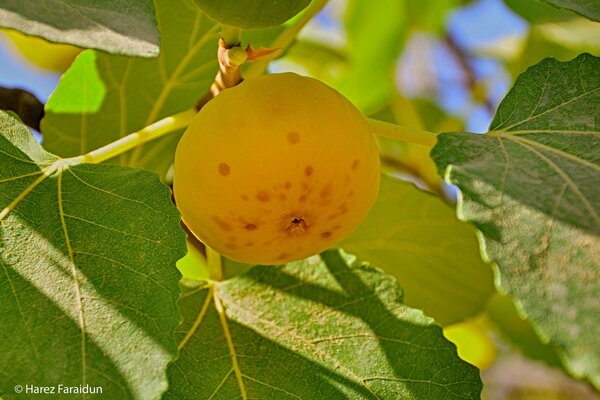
276,169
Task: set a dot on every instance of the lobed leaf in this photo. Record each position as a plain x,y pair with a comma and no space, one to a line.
314,329
88,283
532,187
110,25
415,237
104,97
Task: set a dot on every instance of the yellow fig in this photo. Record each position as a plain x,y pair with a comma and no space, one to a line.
276,169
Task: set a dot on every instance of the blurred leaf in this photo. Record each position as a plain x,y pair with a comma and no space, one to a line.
375,32
588,8
560,40
535,11
110,25
340,328
473,341
89,288
104,97
412,158
252,14
519,331
415,237
193,265
532,186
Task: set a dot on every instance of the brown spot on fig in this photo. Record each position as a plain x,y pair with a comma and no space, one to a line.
355,164
287,185
282,256
231,246
350,194
335,227
302,198
308,171
325,234
249,244
282,196
250,227
263,196
221,223
224,169
293,137
326,191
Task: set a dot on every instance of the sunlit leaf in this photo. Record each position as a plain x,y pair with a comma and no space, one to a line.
104,97
314,329
88,284
532,187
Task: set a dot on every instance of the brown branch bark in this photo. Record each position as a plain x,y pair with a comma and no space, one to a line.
24,104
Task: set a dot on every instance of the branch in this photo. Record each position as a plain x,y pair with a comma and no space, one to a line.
465,64
229,75
24,104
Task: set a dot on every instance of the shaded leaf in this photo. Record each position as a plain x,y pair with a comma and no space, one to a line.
313,329
111,25
252,14
104,97
415,237
532,187
88,284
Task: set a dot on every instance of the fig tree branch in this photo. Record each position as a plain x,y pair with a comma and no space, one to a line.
24,104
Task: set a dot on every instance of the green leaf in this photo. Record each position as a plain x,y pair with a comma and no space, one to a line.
535,11
313,329
104,97
110,25
252,14
532,187
562,40
415,237
588,8
88,283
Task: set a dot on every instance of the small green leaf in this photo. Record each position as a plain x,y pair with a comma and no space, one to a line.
103,97
415,237
588,8
532,187
110,25
252,14
314,329
88,283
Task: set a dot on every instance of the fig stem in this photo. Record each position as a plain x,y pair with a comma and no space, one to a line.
232,36
402,133
285,38
215,264
151,132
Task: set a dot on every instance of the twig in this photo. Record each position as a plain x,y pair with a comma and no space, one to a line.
465,64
